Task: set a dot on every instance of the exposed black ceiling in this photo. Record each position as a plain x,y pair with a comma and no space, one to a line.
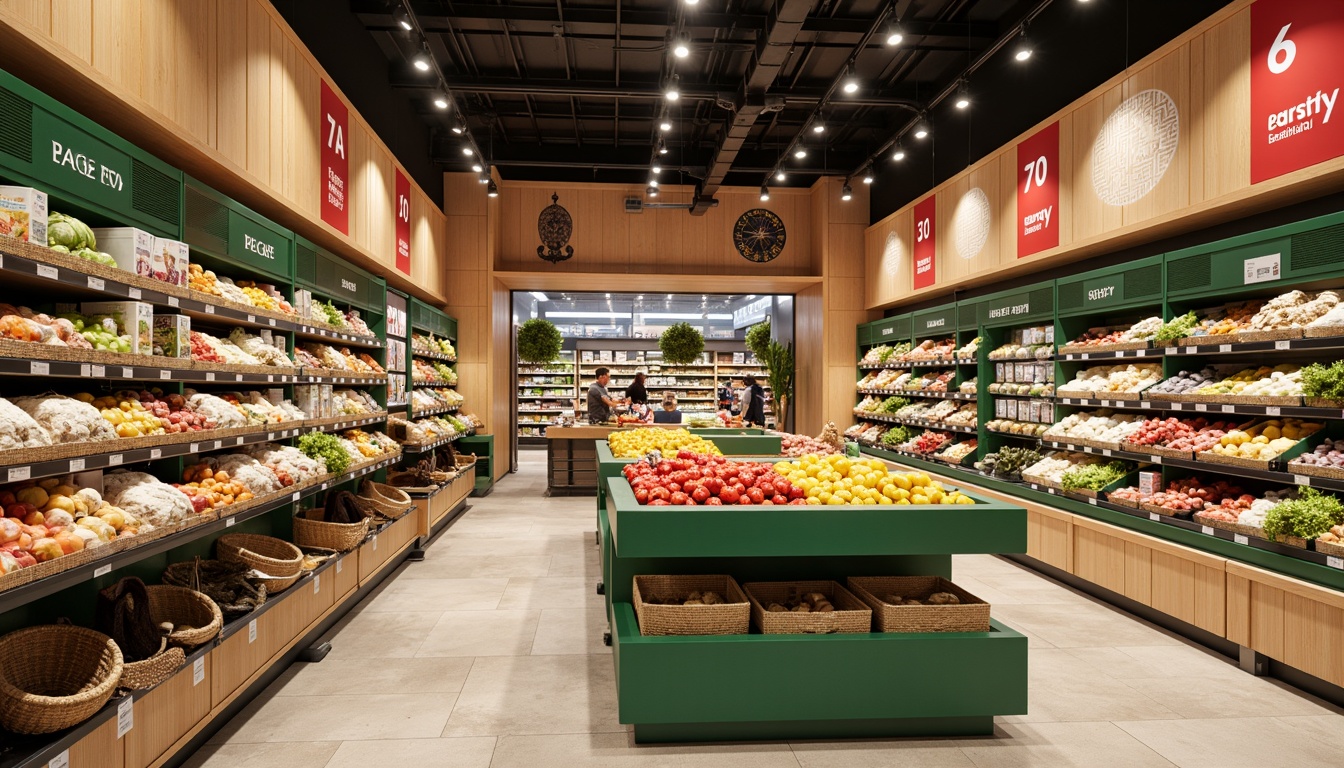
574,89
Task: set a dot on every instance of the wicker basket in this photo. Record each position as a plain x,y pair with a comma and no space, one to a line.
139,675
280,561
851,615
55,676
310,530
390,502
194,616
730,618
971,615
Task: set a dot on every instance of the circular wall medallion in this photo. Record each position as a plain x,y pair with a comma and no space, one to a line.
892,251
1135,147
970,223
759,235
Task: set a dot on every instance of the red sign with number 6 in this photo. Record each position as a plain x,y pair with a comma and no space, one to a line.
926,218
1038,192
333,131
1297,68
403,212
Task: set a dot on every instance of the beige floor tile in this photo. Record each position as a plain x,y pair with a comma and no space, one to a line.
618,750
908,753
1200,698
1248,742
294,754
1085,745
570,631
584,564
368,635
513,695
481,633
552,592
374,675
443,566
505,547
340,718
432,753
1158,661
1062,688
1083,625
1324,727
406,595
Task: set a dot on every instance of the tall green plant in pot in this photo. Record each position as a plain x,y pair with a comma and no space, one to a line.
539,341
778,362
758,339
681,344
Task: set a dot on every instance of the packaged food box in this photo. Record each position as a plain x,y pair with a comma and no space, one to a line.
172,261
133,318
23,214
172,336
133,249
324,400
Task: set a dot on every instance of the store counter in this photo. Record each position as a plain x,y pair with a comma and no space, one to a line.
571,458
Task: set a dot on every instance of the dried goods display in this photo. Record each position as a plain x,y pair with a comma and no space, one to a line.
1111,380
957,452
1135,336
634,443
1292,310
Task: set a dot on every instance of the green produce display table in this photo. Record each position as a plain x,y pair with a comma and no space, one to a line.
756,447
749,687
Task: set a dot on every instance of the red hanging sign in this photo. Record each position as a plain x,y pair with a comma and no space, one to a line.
926,223
333,133
1038,192
1297,70
403,210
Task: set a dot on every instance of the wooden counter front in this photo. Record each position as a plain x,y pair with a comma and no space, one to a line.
571,458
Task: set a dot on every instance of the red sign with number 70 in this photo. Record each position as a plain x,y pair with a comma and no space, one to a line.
1038,191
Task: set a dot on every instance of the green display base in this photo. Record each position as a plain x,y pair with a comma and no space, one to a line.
736,687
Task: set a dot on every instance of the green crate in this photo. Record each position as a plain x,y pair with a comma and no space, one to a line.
1294,253
968,315
938,322
1125,286
224,229
85,169
1021,306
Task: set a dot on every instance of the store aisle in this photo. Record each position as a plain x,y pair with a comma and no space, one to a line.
489,654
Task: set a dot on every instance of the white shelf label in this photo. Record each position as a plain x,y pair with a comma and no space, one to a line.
1206,530
238,440
96,283
1138,353
1154,516
317,583
252,631
1083,356
237,377
102,571
1191,350
195,447
1170,350
229,522
1224,347
1201,407
209,309
133,293
39,369
1271,410
251,318
1335,562
125,716
1240,539
1301,480
1283,345
271,320
198,672
155,453
209,375
172,301
1261,269
115,459
1229,409
375,543
1155,459
127,373
19,473
340,565
49,272
270,377
294,496
98,371
60,761
165,375
1178,406
76,465
1091,501
1105,451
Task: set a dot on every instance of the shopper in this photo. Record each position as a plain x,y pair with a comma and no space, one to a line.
726,397
669,413
753,402
636,394
600,402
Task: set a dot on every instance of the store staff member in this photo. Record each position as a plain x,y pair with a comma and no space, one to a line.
600,402
636,394
753,402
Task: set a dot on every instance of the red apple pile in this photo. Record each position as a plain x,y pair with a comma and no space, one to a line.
693,479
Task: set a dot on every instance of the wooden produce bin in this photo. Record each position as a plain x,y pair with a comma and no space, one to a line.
344,575
384,545
238,657
168,712
571,458
100,749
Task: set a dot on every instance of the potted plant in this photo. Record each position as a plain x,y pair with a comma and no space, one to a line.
681,344
539,341
778,362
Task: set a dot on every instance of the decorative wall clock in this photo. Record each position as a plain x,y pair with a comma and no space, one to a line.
555,228
759,235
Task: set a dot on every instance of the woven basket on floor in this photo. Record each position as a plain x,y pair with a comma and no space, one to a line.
53,677
139,675
280,561
970,615
390,502
194,616
310,530
730,618
850,615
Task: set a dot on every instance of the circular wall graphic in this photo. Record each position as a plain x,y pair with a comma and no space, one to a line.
1135,147
759,235
892,251
970,223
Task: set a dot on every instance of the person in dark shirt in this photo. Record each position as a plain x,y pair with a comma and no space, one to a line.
753,402
599,400
636,394
668,414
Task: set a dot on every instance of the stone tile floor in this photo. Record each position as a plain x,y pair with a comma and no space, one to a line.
489,655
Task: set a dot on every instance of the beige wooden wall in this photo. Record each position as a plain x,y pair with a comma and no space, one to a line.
225,90
1206,72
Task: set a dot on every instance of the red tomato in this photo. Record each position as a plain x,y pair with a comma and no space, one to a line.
756,495
679,499
780,498
642,496
740,488
744,500
799,502
661,494
700,494
658,503
714,485
729,495
674,487
714,501
796,493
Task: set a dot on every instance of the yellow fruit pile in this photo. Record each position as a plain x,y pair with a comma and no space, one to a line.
634,443
261,299
837,480
1264,441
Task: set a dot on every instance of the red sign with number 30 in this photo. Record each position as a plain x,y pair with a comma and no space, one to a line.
1038,192
1297,70
926,224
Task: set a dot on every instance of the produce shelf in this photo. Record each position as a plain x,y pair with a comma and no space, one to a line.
362,420
915,422
427,447
1293,411
440,384
921,393
134,370
313,376
1116,355
325,334
434,412
435,356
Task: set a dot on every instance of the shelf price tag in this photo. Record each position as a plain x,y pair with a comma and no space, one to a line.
49,272
1272,410
195,447
60,761
125,716
1283,345
172,301
76,465
229,522
340,565
1154,516
1224,347
96,283
1206,530
209,375
251,318
1229,409
209,309
1170,350
127,373
39,369
102,571
198,672
1105,451
1201,407
115,460
19,473
294,496
1301,480
155,453
1084,356
375,543
317,583
252,631
98,371
1091,501
133,293
1190,350
165,375
1240,539
1335,562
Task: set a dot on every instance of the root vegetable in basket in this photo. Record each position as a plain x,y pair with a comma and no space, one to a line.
812,602
937,598
694,598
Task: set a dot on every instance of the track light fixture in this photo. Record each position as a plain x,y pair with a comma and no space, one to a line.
653,183
895,34
692,2
818,126
765,193
656,169
1023,50
662,147
459,127
868,175
963,96
652,191
846,192
468,151
779,175
898,154
851,83
665,125
441,99
483,178
492,189
403,19
421,60
800,153
922,129
681,48
477,167
673,91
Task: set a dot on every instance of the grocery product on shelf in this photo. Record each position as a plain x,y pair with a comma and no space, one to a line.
66,234
1264,441
1180,437
930,350
1186,381
884,354
1328,455
1020,428
802,445
1283,380
147,498
633,443
432,345
1111,380
1094,477
66,419
1008,462
1096,427
51,518
1134,336
957,452
1294,309
969,350
836,480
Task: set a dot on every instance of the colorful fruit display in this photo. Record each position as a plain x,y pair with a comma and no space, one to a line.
1102,380
836,480
50,518
1143,330
690,479
802,445
1264,441
1197,434
634,443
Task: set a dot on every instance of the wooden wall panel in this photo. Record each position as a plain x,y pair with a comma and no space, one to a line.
34,12
957,207
1171,75
888,276
166,714
1267,619
231,65
72,27
1091,217
1238,609
1138,573
1220,85
117,41
809,374
259,98
99,749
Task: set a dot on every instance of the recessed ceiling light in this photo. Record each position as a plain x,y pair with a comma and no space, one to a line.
441,100
818,127
403,20
477,167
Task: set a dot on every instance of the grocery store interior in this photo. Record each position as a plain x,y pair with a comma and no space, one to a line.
449,383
